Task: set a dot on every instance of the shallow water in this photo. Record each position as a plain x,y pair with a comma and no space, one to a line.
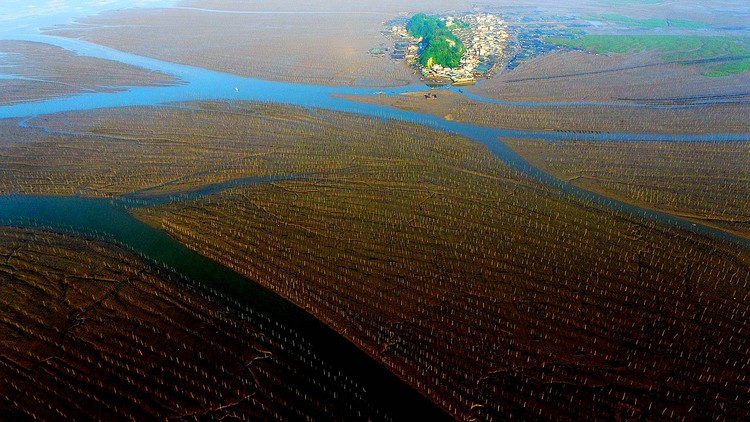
29,15
203,84
157,195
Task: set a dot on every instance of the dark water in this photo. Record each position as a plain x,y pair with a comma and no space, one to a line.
106,219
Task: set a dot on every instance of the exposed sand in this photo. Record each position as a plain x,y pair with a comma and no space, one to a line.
719,118
326,42
580,76
309,42
51,71
708,181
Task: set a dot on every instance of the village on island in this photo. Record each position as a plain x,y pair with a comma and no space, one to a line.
449,50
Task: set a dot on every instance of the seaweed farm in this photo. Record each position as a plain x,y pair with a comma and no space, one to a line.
181,151
439,309
213,209
571,116
86,335
710,185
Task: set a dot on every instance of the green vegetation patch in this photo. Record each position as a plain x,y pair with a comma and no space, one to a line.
439,44
672,47
651,23
729,68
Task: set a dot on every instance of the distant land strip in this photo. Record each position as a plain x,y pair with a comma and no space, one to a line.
620,69
281,12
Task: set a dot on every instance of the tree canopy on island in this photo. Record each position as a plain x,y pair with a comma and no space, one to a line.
423,26
439,44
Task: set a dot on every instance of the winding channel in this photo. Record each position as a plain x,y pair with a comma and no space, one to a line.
109,218
202,84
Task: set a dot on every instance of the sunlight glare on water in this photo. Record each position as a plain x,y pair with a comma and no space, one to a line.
34,14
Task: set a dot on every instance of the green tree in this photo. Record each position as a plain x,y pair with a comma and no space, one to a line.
443,51
439,44
423,26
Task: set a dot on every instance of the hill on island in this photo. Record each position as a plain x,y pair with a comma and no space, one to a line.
439,45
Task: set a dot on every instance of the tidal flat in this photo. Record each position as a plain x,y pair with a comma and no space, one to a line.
570,116
35,71
706,181
472,282
90,329
314,43
569,244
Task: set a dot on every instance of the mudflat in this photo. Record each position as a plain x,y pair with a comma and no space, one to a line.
710,118
38,71
90,329
308,42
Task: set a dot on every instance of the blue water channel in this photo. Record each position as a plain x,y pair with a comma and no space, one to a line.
202,84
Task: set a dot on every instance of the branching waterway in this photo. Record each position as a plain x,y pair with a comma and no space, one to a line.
202,84
109,218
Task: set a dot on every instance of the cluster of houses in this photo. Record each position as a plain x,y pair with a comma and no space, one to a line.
404,49
484,36
485,40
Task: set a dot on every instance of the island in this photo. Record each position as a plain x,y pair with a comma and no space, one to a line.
451,49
